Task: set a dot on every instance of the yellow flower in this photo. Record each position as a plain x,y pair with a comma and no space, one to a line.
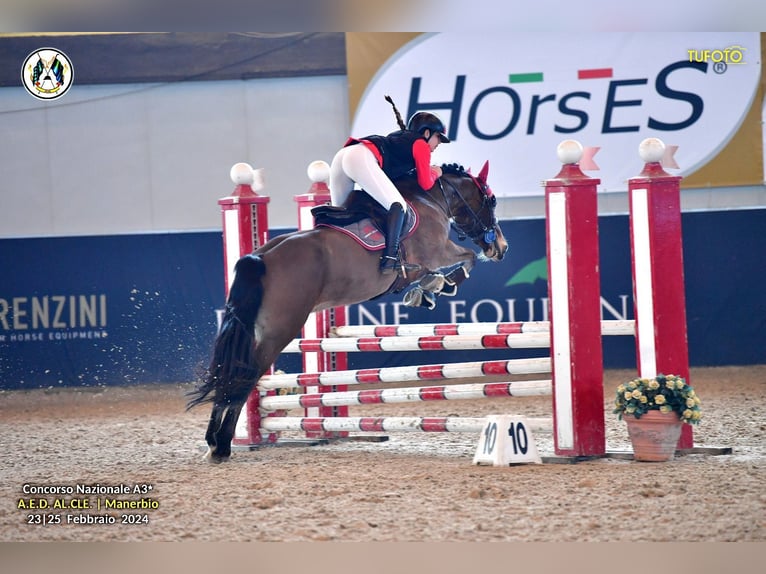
641,394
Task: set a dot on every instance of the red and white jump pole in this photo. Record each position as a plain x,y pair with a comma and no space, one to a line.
245,229
574,304
318,325
658,271
575,308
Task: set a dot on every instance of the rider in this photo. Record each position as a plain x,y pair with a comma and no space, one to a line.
375,161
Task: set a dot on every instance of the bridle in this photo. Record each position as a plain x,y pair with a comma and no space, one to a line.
478,229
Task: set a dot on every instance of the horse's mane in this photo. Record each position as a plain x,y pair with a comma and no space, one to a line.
455,168
408,182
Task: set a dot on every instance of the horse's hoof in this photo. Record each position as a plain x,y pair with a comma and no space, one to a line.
418,298
429,300
433,282
213,458
413,297
449,289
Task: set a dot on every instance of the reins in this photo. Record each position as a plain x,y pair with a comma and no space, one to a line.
487,233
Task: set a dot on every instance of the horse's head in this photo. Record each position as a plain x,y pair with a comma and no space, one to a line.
471,206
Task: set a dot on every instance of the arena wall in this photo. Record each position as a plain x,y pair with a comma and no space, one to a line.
141,308
110,236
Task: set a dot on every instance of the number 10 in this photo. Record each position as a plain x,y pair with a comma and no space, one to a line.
518,434
490,437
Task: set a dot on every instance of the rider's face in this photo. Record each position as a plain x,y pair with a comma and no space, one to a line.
434,140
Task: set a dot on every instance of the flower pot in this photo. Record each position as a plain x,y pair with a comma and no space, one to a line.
654,436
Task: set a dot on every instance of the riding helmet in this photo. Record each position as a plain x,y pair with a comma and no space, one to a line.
421,121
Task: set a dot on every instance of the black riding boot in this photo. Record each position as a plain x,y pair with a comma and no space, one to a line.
389,261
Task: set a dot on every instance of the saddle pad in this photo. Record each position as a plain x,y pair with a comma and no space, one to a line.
367,234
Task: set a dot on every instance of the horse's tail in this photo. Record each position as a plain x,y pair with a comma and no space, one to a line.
233,369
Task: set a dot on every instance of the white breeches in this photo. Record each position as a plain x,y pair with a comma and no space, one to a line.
357,164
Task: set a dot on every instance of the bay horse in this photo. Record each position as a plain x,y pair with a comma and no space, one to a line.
277,286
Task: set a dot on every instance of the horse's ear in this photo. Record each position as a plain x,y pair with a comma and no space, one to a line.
484,171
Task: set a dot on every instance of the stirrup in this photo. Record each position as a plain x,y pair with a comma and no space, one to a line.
402,268
389,264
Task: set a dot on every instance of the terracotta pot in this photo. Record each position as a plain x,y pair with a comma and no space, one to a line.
654,436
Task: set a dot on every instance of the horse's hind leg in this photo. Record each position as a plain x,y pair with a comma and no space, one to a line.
220,431
216,414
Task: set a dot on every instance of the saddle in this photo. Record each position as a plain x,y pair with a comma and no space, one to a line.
363,219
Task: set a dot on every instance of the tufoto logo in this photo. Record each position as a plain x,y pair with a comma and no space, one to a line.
47,73
731,55
721,59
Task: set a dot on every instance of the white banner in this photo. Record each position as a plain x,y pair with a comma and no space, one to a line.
512,99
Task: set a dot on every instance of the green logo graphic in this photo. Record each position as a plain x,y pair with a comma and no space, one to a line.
530,273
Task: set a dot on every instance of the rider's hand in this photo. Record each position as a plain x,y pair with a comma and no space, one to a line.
436,170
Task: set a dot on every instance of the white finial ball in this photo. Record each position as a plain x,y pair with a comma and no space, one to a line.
241,174
651,150
318,171
569,151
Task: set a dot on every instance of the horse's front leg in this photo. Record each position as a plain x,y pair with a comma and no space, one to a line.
445,283
434,284
455,257
419,297
464,262
460,260
453,279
